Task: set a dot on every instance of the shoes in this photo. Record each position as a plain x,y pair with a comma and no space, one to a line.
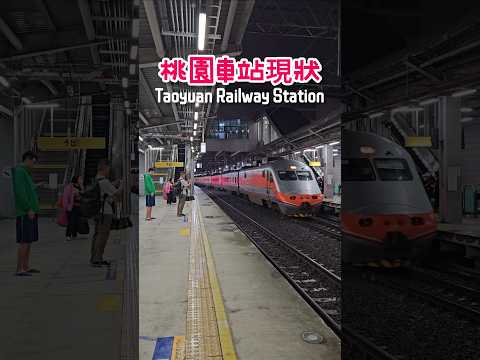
180,215
33,271
22,273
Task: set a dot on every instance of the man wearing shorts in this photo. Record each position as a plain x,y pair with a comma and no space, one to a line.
26,205
149,193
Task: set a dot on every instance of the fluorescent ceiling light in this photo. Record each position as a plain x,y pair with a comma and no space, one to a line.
196,104
296,152
126,103
334,143
191,138
135,28
133,52
143,152
155,148
26,100
124,82
150,146
466,109
466,92
140,138
466,119
429,101
145,121
307,150
195,116
202,27
195,125
194,133
376,115
4,81
42,106
132,69
319,147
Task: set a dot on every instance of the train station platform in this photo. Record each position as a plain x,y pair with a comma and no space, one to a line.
43,316
207,292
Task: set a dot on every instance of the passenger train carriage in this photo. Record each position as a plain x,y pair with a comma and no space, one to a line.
286,185
386,213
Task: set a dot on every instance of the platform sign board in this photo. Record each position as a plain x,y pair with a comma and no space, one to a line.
418,141
314,163
168,164
70,143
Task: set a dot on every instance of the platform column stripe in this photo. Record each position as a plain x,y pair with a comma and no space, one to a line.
226,339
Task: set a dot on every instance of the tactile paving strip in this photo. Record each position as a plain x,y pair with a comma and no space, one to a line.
202,338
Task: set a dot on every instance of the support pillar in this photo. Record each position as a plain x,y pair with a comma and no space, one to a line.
450,189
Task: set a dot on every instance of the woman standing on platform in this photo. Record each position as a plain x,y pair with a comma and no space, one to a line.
149,193
167,191
71,203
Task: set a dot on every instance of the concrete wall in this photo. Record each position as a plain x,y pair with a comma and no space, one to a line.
7,208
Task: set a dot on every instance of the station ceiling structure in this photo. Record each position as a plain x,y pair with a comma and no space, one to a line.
54,50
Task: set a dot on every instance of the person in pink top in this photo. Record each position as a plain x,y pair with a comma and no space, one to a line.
167,191
71,204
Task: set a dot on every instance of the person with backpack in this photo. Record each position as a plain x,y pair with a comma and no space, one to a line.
149,193
107,195
27,209
181,190
71,204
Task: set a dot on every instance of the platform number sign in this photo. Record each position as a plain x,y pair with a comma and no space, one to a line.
70,143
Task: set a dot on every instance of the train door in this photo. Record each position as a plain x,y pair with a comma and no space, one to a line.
270,186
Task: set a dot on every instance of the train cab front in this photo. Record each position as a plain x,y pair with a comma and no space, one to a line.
378,237
299,205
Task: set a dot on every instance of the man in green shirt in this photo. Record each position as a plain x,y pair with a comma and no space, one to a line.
27,208
149,193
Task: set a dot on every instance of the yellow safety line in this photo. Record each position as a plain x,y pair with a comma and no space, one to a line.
226,339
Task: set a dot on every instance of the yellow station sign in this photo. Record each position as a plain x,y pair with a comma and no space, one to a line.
168,164
314,163
418,141
70,143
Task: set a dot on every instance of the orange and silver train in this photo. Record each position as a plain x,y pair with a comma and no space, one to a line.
386,213
285,185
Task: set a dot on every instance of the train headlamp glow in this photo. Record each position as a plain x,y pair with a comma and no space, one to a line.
367,150
293,167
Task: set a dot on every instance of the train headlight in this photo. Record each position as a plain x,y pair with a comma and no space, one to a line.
365,222
417,221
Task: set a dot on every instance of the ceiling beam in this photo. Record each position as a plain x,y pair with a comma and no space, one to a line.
10,35
53,51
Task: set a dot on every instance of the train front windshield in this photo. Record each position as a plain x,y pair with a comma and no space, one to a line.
295,175
392,169
357,170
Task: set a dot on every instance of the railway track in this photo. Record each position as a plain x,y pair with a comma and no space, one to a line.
319,286
452,296
325,226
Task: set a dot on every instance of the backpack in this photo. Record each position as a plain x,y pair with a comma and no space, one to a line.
178,188
91,203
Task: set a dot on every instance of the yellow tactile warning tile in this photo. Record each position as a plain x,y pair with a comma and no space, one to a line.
185,231
208,333
109,303
178,348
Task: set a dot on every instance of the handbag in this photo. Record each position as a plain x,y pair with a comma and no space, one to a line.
83,226
62,218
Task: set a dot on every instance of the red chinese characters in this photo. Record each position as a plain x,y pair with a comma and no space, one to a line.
201,70
173,70
207,70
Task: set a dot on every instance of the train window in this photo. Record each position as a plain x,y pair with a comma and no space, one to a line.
304,175
263,173
393,169
357,170
287,175
270,175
